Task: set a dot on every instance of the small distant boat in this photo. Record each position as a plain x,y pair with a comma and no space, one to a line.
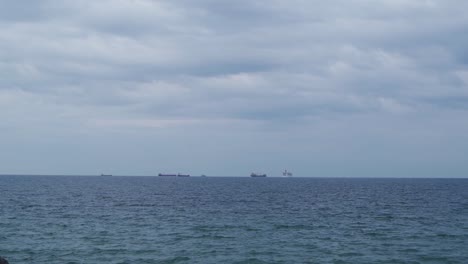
183,175
257,175
106,175
287,173
203,175
166,175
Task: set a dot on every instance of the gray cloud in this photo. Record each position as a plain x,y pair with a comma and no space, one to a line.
91,67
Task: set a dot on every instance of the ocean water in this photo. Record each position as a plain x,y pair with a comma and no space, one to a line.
52,219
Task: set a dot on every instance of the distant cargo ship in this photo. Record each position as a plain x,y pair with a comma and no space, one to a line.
166,175
287,173
183,175
106,174
257,175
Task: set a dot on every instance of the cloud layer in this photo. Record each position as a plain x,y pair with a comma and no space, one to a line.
248,70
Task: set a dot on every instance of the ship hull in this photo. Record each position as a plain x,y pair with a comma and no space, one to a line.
257,175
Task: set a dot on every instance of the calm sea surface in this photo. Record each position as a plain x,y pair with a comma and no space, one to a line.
51,219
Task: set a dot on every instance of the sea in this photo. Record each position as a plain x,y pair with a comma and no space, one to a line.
85,219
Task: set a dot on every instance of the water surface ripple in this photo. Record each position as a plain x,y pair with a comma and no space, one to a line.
51,219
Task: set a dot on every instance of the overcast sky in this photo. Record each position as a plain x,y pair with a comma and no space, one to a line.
342,88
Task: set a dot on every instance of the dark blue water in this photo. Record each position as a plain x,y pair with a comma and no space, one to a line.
232,220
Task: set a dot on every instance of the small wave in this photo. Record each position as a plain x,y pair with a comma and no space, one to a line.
178,259
251,261
293,227
351,254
